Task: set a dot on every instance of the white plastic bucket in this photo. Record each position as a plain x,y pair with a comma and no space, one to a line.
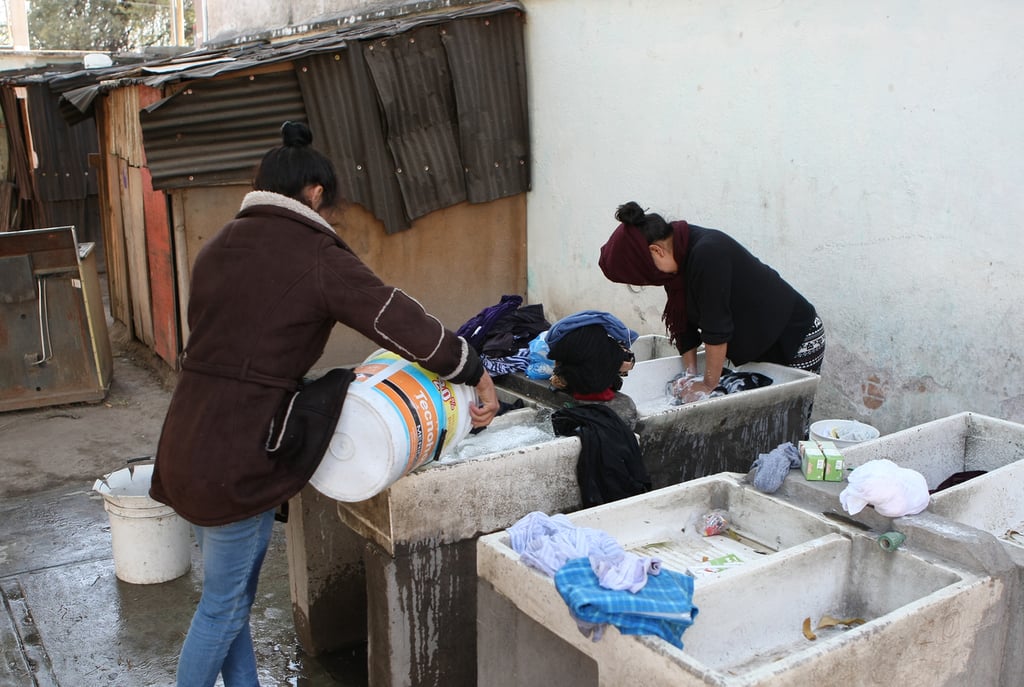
397,416
843,433
151,542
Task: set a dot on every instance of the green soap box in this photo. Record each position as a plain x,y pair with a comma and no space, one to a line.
833,461
812,461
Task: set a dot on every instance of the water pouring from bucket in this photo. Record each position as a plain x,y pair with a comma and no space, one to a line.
397,417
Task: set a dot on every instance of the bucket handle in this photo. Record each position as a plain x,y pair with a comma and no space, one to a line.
132,461
131,470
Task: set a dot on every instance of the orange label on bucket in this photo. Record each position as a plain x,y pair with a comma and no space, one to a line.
425,402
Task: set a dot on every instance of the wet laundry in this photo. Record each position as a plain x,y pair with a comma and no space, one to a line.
587,361
601,582
663,608
612,325
476,329
894,491
957,478
610,466
546,543
731,382
769,470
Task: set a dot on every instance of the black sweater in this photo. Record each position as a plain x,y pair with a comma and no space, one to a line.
732,297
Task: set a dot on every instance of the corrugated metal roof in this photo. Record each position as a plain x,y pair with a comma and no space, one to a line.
206,64
417,113
216,131
411,121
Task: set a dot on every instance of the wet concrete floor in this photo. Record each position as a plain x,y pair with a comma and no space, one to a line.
66,620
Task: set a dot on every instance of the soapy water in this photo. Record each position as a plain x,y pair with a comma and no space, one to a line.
498,439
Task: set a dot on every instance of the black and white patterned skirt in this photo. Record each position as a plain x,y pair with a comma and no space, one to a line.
812,350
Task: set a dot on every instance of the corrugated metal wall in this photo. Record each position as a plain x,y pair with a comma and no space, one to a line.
414,89
56,186
216,131
347,127
488,64
416,116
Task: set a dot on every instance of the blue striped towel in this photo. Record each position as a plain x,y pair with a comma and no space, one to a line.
664,607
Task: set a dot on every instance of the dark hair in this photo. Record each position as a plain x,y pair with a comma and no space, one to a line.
294,165
653,226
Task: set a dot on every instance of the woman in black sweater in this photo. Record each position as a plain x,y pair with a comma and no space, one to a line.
719,294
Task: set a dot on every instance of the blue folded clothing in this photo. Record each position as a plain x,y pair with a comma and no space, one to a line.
664,607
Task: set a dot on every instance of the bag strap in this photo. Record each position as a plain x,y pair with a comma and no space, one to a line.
276,441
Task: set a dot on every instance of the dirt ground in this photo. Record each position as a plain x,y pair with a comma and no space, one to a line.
47,447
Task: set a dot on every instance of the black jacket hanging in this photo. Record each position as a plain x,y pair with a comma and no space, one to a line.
610,466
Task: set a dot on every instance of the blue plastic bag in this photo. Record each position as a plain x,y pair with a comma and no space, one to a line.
540,366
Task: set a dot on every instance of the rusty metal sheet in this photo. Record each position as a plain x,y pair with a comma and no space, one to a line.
16,282
488,66
62,151
48,354
410,74
217,131
349,128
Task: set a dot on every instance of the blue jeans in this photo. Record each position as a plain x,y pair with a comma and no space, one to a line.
219,640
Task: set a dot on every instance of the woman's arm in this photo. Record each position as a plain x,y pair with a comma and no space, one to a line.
714,361
690,361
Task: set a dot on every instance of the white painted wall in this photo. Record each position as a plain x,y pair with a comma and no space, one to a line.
872,152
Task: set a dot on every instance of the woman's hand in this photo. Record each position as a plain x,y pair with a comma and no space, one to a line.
483,413
690,388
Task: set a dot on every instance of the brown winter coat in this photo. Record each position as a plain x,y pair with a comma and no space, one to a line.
266,292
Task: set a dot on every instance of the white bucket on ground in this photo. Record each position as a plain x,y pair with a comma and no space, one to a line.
397,416
151,542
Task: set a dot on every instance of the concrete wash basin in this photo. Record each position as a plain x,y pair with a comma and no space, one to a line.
749,631
940,448
722,434
680,443
418,557
992,502
471,490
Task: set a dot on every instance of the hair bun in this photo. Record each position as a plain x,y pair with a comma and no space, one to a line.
296,134
630,213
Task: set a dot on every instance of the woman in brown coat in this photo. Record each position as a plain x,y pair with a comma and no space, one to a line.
266,291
